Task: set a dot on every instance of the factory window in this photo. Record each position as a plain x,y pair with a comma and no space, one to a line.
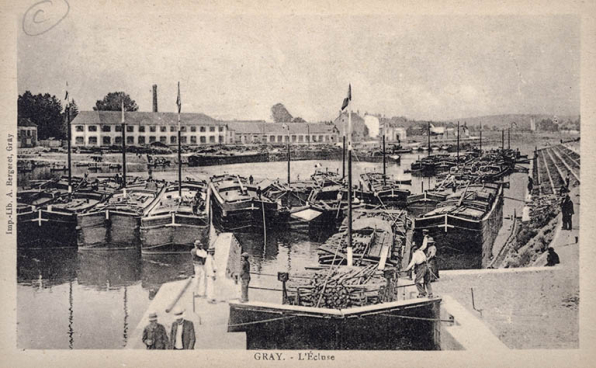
212,129
221,139
130,140
293,138
142,139
93,140
280,138
152,128
287,138
320,138
193,139
202,129
203,139
271,138
211,139
130,128
118,140
193,128
221,129
79,140
183,140
172,128
327,138
173,139
151,139
141,129
106,128
92,128
118,128
307,138
163,129
163,139
300,138
79,128
183,128
107,140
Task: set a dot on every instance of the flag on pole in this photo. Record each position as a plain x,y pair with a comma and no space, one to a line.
66,97
122,110
178,100
347,99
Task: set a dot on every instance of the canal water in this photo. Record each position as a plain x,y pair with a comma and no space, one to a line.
94,299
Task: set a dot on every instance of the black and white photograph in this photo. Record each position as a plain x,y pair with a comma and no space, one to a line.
292,185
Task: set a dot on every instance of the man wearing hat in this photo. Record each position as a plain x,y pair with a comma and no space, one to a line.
244,276
199,257
211,273
427,238
182,335
154,334
431,259
422,279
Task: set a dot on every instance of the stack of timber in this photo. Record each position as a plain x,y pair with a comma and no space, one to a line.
378,237
339,287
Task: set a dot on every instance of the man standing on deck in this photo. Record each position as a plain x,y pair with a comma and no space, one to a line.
199,257
182,335
244,276
210,272
154,334
422,279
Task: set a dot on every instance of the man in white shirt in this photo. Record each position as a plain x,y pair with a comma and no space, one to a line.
210,273
182,335
422,278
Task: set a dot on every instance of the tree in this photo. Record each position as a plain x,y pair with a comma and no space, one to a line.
74,110
280,114
298,120
113,102
45,111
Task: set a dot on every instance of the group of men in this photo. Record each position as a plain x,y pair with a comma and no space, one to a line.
182,334
424,263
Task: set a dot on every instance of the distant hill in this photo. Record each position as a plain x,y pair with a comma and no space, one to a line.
523,121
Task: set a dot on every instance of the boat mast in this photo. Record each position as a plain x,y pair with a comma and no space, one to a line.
428,138
179,103
384,160
509,138
458,144
502,139
343,150
349,249
69,149
480,138
123,150
288,144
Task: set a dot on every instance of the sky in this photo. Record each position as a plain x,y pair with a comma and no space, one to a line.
233,66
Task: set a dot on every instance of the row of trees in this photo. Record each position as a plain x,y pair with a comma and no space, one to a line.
49,114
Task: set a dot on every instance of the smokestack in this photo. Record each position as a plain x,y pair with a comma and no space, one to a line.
155,98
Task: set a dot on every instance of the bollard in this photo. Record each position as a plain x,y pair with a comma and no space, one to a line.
283,277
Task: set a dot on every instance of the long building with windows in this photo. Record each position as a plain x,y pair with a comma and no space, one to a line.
104,129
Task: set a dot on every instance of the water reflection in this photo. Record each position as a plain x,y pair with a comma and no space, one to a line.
43,269
107,269
158,269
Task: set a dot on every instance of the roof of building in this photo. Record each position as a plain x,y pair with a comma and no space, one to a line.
25,122
144,118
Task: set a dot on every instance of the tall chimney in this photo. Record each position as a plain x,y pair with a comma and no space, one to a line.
155,98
